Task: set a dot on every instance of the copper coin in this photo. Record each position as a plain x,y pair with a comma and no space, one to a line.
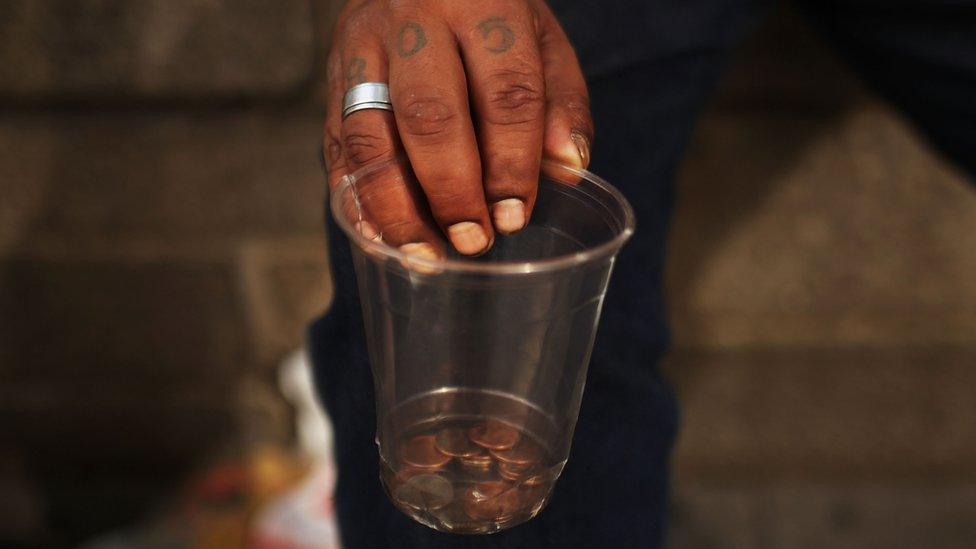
532,497
476,467
477,461
509,475
482,458
526,452
514,467
494,435
407,473
457,520
492,500
425,492
454,441
513,472
541,479
421,452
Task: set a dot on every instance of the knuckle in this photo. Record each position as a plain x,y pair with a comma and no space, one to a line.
576,103
362,147
426,114
515,98
333,149
334,162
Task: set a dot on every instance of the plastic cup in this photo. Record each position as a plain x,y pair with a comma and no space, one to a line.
479,363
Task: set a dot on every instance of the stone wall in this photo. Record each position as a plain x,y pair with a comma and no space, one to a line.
109,50
161,251
822,287
160,244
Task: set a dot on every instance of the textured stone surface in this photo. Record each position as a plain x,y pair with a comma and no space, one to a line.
821,230
193,175
26,150
119,325
806,413
196,237
154,267
804,515
101,49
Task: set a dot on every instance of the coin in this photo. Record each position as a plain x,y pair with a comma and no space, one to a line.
493,435
513,472
509,475
540,479
454,441
407,473
526,452
425,492
420,451
477,467
492,500
457,520
478,460
532,498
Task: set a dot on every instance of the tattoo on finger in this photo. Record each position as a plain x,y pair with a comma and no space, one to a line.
497,26
356,73
411,39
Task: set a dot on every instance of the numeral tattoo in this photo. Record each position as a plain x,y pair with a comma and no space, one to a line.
412,39
497,25
356,74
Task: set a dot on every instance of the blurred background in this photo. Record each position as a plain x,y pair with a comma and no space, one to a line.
161,250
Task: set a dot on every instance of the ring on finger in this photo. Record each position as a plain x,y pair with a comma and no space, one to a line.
368,95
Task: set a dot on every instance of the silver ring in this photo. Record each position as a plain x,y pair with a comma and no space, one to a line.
368,95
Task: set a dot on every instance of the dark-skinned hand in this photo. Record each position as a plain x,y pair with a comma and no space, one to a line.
481,91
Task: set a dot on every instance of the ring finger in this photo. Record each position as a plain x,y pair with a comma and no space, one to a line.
396,209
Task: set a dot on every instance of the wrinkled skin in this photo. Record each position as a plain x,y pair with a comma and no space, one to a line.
481,91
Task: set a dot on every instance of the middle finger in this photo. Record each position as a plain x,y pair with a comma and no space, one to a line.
434,122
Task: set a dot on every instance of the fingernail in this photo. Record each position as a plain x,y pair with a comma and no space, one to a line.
509,215
421,250
469,238
367,229
582,146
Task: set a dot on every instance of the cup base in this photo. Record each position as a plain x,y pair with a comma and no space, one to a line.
469,475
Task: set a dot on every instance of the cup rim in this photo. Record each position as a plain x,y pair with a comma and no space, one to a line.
469,266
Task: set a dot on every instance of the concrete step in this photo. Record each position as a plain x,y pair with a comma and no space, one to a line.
113,51
839,516
820,230
856,414
168,174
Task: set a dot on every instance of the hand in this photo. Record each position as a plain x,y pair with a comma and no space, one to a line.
478,162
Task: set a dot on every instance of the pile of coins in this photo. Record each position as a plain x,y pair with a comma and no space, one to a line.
470,477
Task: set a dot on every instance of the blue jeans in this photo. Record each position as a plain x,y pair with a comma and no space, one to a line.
650,65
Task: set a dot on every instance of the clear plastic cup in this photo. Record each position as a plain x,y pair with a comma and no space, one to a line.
479,363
